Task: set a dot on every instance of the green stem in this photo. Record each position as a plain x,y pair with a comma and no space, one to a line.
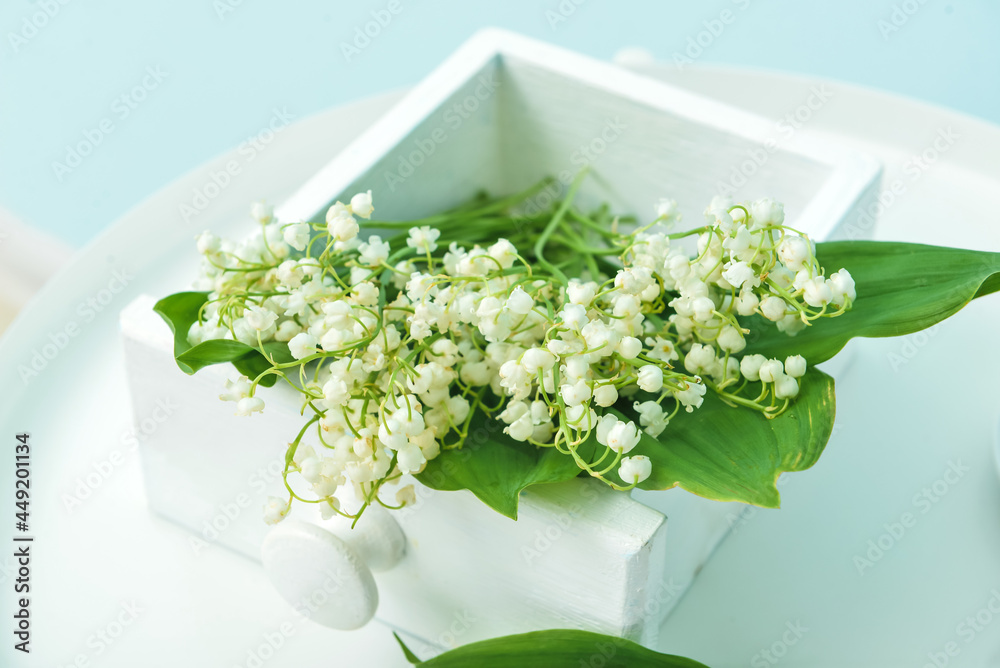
543,238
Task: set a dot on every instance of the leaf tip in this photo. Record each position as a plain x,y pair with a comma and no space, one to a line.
410,656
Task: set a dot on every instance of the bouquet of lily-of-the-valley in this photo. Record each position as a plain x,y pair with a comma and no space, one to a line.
487,349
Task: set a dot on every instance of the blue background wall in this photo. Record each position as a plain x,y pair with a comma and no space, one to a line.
199,77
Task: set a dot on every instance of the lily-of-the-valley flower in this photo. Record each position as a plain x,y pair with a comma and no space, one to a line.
275,509
634,470
398,340
296,235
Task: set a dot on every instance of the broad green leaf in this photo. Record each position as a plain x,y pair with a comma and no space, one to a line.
553,649
718,452
215,351
736,454
180,311
278,351
902,288
496,468
253,364
247,360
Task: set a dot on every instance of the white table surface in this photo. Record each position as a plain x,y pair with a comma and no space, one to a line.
900,428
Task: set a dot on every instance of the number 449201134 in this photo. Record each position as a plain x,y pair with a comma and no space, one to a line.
22,485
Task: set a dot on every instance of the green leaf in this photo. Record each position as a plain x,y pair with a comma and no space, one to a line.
736,454
496,468
902,288
410,656
279,352
718,452
180,311
247,360
215,351
254,364
555,649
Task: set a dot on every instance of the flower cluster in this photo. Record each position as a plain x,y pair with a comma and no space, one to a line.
397,340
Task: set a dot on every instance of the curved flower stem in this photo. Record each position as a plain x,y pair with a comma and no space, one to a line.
543,238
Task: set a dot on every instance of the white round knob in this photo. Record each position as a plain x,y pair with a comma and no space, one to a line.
309,565
376,537
329,567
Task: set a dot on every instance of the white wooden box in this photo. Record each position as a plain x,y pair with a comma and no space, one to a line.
501,113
